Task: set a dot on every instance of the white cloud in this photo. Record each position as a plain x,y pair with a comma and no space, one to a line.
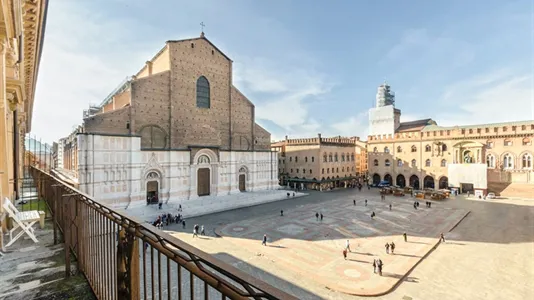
353,126
499,96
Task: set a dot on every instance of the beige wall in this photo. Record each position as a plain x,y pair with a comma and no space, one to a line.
490,138
301,161
343,167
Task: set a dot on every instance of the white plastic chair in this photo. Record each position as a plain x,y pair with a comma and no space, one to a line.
23,220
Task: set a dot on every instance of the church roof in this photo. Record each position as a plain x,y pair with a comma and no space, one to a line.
416,125
202,37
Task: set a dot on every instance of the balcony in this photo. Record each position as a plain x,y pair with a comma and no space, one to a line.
121,257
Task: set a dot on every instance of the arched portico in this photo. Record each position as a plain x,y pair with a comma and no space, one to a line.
414,182
376,178
443,182
401,181
388,178
152,185
428,182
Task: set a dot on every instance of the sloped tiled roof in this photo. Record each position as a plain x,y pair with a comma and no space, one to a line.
516,123
416,125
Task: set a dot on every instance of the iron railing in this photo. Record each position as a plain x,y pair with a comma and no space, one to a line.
125,258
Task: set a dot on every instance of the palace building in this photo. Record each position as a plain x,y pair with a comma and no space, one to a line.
477,158
320,163
177,132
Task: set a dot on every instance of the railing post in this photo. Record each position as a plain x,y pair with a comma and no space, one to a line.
128,265
54,207
66,234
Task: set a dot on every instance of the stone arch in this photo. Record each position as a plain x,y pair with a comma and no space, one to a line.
414,181
443,182
203,92
428,182
152,185
376,178
508,160
152,137
400,180
526,159
388,178
207,152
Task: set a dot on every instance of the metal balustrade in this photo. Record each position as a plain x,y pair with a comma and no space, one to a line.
125,258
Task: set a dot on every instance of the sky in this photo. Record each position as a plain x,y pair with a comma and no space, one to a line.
308,66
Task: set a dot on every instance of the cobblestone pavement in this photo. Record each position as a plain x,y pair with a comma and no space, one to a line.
489,255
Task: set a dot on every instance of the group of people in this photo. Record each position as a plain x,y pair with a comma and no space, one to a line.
166,219
196,230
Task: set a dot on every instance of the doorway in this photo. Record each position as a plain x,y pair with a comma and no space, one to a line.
242,182
467,187
152,196
203,182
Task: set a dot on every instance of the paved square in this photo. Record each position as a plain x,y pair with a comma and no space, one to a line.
304,250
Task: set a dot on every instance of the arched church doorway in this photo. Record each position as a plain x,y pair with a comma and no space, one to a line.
428,182
242,182
414,182
401,181
376,179
152,188
388,178
443,182
203,182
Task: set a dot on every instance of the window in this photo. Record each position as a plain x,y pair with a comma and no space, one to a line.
303,171
328,171
297,170
428,148
504,129
427,163
279,161
342,157
203,92
313,159
414,148
335,157
375,150
310,171
470,131
508,161
375,162
399,149
443,147
386,150
399,162
337,170
527,142
306,159
387,163
296,159
527,161
414,163
352,168
322,171
487,130
330,157
443,162
153,137
489,144
342,169
352,157
291,170
324,158
508,142
490,160
290,159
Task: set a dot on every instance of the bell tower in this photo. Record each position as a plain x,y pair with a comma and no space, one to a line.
384,118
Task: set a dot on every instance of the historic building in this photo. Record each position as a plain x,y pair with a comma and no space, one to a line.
22,25
176,131
482,158
320,163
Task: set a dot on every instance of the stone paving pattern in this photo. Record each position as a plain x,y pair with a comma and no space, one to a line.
489,255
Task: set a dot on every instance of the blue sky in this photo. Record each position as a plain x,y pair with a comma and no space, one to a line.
308,66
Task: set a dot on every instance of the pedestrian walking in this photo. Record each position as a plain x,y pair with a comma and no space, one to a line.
374,266
282,213
405,237
202,232
345,254
380,265
354,201
392,247
347,246
365,202
195,230
387,248
321,216
183,224
264,241
317,216
441,237
390,206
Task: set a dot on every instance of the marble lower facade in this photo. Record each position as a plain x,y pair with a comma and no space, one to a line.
114,170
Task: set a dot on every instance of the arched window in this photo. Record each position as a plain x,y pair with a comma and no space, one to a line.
414,163
427,163
443,162
443,147
342,169
322,171
490,160
414,148
508,161
399,149
305,159
330,157
508,142
375,162
375,150
489,144
335,157
342,156
428,148
399,162
386,150
352,157
296,159
153,137
387,163
313,159
310,171
325,159
527,142
527,161
203,92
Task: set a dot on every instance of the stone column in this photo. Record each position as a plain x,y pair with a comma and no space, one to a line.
5,160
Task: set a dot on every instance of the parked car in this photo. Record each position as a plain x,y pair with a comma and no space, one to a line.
383,184
491,196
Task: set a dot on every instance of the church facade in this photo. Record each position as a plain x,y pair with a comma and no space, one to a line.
477,158
176,132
